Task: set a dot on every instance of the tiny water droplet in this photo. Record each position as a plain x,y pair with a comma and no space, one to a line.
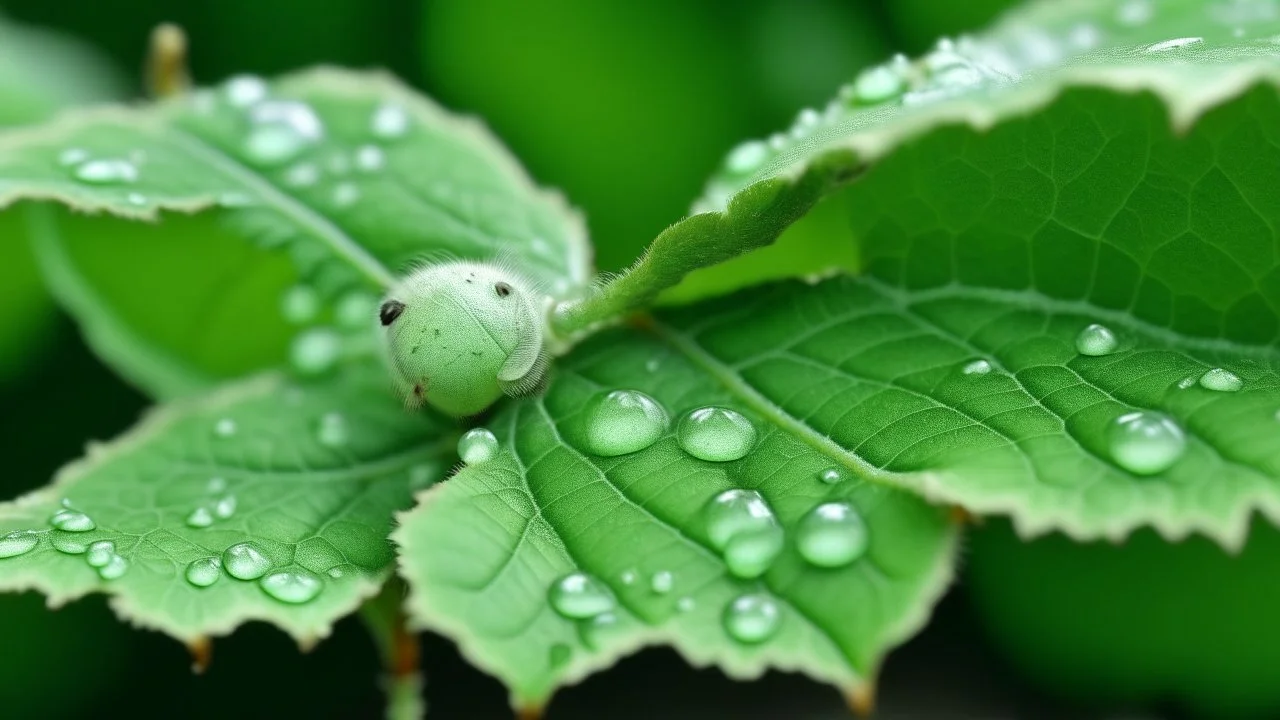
294,586
201,517
746,158
1186,382
623,422
370,158
225,507
134,198
685,604
716,434
389,121
977,367
1221,380
1174,44
345,194
357,310
578,596
421,476
743,527
1135,12
18,543
597,631
245,90
72,521
332,430
67,543
300,304
751,618
304,174
1096,340
831,535
280,130
100,553
204,572
225,428
832,476
1146,442
628,577
115,568
662,582
477,445
876,85
336,573
245,561
107,170
315,351
72,156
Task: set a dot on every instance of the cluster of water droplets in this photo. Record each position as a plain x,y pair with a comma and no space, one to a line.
248,562
328,332
66,532
217,505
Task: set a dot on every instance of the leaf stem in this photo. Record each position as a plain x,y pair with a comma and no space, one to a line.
167,73
398,646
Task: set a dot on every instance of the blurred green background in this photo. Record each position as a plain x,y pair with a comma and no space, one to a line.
627,107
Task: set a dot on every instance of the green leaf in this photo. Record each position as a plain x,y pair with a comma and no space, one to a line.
307,474
336,180
482,551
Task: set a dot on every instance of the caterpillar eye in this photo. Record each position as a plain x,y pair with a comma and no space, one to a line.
389,311
502,289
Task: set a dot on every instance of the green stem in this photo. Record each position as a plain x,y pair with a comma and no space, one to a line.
398,647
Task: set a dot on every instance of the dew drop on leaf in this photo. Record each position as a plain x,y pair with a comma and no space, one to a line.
389,121
315,351
716,434
628,577
100,553
1174,44
301,175
72,521
225,428
1146,442
746,158
331,430
662,582
17,543
596,631
280,129
204,572
477,446
876,85
201,517
1096,340
370,158
225,507
751,618
293,586
72,156
356,310
685,604
300,304
743,527
977,367
623,422
832,476
115,568
245,561
345,194
245,90
578,596
68,543
106,171
831,535
1221,380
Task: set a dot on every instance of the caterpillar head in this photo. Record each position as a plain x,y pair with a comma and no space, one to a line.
460,334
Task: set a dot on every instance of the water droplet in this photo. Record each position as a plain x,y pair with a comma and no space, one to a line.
204,572
245,561
332,430
17,543
225,428
1096,340
597,631
134,198
201,517
67,543
370,158
1146,442
751,618
877,85
578,596
750,554
245,90
225,507
622,422
1135,12
300,304
106,171
345,194
1221,380
72,156
742,525
746,158
832,476
389,121
662,582
1174,44
281,129
477,445
1084,37
685,604
716,434
628,577
977,367
315,351
72,521
100,553
357,310
831,535
304,174
336,572
115,568
1186,382
294,587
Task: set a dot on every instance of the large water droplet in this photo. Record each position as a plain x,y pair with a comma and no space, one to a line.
1221,380
245,561
477,445
977,367
332,430
716,434
662,582
280,130
18,543
1146,442
245,90
578,596
743,527
832,476
225,507
752,618
115,568
100,553
747,157
300,304
204,572
831,535
1096,340
294,586
623,422
315,351
68,543
201,517
72,521
877,85
389,121
370,158
107,170
751,554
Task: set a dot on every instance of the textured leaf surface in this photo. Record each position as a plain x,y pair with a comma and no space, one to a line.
308,474
336,180
482,550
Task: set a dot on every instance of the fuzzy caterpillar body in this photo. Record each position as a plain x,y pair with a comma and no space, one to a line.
460,334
